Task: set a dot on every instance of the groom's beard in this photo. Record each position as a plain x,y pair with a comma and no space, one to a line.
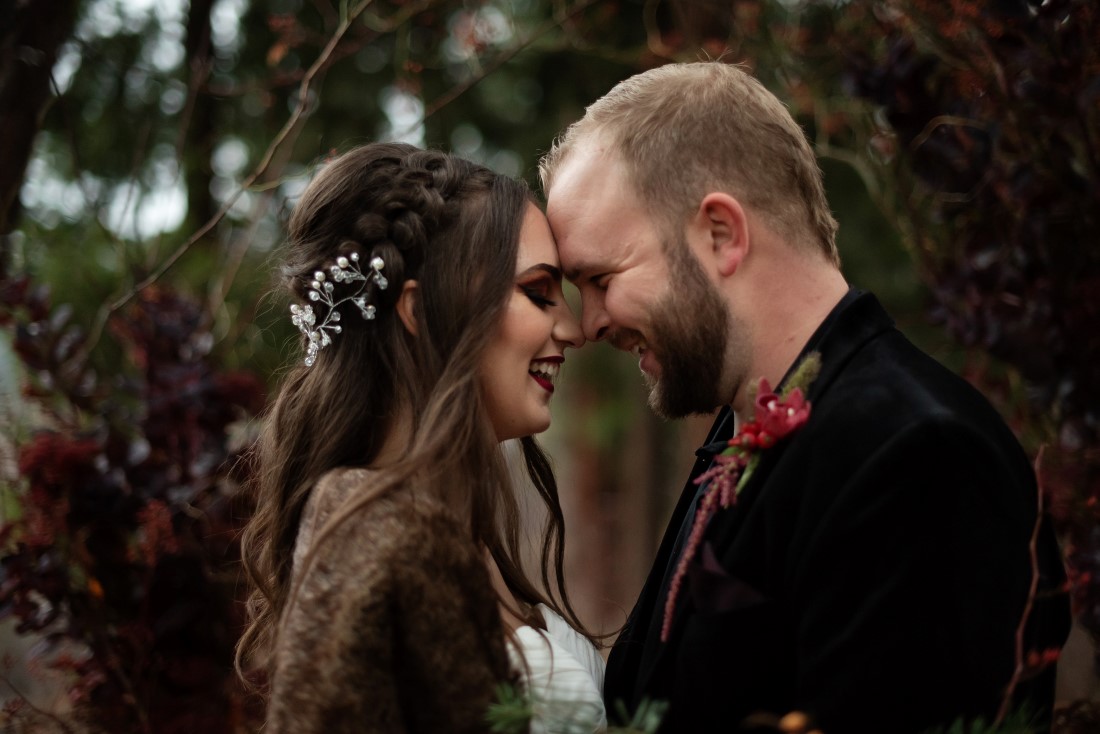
690,330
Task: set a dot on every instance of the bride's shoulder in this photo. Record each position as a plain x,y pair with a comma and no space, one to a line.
564,676
386,522
572,640
379,499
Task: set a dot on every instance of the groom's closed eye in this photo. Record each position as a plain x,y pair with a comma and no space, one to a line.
599,281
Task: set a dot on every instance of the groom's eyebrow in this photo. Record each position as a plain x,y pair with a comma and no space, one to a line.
553,271
574,274
580,268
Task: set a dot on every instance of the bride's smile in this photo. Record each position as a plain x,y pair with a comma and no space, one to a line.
522,361
544,370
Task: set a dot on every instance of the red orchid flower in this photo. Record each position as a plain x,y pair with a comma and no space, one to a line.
778,417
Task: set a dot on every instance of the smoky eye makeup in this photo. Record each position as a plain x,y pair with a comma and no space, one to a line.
538,291
539,283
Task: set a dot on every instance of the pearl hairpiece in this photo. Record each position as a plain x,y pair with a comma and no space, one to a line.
322,291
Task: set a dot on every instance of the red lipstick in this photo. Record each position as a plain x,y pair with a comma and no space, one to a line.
544,383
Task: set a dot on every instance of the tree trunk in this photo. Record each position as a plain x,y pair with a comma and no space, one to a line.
31,32
200,133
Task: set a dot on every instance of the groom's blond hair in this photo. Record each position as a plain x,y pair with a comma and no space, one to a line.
684,130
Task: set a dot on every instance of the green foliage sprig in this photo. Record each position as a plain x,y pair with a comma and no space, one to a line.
514,710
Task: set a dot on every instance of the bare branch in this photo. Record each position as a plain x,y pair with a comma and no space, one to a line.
228,273
653,38
299,113
1033,590
504,57
941,120
38,710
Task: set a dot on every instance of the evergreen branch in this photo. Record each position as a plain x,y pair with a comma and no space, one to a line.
514,709
511,712
645,720
1020,721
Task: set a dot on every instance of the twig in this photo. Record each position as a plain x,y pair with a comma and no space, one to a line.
941,120
327,12
653,39
96,203
40,711
237,252
1032,547
220,290
299,112
504,57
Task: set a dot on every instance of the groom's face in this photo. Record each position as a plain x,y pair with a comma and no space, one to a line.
662,309
692,328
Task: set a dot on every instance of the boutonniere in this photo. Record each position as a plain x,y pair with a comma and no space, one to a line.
776,416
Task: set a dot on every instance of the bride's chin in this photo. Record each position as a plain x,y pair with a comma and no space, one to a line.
541,427
533,429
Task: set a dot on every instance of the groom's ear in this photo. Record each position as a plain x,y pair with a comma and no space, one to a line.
725,230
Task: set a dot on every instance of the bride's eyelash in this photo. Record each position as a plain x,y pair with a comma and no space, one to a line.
536,296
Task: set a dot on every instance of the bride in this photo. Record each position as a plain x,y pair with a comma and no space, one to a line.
385,545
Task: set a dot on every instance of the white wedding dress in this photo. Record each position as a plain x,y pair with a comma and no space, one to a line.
564,674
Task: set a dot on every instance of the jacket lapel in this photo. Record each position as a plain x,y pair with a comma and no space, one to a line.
634,651
856,320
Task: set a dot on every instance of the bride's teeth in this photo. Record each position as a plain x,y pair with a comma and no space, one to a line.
549,370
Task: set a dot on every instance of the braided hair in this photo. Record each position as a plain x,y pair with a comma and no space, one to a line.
453,226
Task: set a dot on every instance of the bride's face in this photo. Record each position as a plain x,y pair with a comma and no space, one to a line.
520,365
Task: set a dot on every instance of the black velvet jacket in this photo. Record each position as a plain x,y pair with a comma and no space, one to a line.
875,568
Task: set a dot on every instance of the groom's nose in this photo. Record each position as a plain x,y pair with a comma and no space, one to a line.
594,319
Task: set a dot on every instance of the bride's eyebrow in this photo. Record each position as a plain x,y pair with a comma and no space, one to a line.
552,270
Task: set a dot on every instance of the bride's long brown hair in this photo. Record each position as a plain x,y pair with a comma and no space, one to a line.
454,227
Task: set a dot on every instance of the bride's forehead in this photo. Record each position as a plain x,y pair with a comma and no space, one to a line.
536,244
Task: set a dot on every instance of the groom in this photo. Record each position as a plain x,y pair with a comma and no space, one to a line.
873,568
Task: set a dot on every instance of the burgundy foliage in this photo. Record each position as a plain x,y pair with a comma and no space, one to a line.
995,109
127,542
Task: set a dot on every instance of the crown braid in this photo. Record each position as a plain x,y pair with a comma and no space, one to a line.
396,200
400,225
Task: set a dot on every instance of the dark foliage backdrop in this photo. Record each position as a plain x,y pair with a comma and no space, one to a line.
149,153
126,538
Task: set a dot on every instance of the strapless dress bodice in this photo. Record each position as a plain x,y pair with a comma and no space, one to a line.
564,675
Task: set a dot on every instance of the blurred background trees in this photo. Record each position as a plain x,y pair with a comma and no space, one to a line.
150,152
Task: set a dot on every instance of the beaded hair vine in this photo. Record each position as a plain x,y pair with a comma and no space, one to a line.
322,291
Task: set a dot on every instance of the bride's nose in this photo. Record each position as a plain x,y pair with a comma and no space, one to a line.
567,330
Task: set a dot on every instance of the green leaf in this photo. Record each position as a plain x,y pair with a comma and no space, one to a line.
647,717
511,713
